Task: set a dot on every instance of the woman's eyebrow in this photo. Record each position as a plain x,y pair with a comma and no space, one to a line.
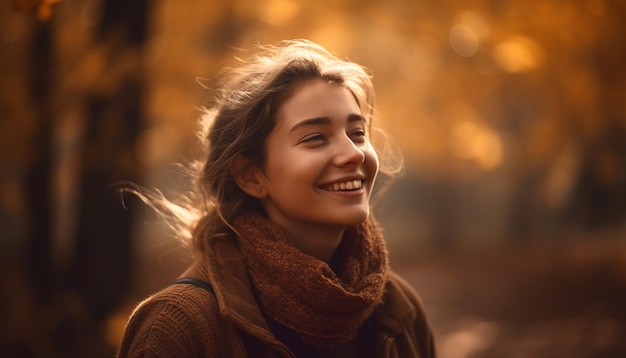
324,121
310,123
354,117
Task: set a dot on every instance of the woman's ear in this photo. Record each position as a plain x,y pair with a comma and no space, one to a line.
246,176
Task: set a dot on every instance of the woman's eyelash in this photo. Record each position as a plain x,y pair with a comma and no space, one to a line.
319,137
314,138
359,134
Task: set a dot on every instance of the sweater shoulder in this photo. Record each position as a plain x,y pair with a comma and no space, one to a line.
419,333
405,288
179,299
171,322
402,305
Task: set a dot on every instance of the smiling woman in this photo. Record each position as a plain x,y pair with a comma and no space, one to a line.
289,260
312,156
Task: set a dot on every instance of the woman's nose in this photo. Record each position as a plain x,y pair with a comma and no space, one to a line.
349,153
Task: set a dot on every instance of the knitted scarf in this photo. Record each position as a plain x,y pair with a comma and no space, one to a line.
325,308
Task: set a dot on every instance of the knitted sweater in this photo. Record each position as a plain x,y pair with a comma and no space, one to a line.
188,321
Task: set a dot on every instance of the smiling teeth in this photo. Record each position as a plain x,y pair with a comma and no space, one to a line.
347,185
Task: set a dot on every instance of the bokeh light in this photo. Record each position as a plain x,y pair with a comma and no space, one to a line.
510,218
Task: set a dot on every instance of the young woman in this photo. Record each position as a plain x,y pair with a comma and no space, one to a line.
289,260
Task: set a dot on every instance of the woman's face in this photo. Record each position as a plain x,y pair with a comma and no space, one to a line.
320,165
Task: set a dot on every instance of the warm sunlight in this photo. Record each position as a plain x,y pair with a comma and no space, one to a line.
278,12
509,217
477,142
517,54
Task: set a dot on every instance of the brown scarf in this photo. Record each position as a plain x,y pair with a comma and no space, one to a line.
323,307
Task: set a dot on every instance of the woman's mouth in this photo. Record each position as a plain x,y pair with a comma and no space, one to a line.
344,185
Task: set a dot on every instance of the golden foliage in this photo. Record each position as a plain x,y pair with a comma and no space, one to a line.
42,8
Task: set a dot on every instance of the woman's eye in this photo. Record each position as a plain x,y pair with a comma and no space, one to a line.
313,138
358,135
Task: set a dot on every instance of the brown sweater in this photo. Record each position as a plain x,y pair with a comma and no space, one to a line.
187,321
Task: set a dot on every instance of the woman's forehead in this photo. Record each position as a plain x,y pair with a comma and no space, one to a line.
317,99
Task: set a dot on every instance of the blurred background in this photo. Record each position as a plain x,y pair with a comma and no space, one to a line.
511,114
